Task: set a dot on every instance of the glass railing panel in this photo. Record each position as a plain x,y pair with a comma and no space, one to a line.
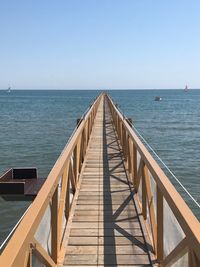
43,233
173,233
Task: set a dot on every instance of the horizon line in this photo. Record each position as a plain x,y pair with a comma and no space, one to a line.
94,89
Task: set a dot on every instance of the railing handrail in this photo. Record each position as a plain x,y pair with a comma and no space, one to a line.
25,231
187,220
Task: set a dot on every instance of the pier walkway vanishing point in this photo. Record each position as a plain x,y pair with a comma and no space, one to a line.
106,202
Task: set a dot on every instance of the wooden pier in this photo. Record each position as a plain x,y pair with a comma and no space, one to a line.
106,202
105,228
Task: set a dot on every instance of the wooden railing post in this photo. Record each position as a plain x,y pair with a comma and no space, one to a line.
120,131
67,200
88,130
159,225
144,195
86,134
74,162
63,198
92,116
129,153
124,141
135,178
82,154
72,177
28,258
55,242
117,125
76,159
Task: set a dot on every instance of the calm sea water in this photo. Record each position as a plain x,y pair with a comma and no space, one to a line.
35,125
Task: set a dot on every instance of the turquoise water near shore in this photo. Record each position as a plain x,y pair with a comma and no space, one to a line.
35,126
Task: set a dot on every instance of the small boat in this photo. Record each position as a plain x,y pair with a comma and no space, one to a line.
186,88
158,98
20,183
9,89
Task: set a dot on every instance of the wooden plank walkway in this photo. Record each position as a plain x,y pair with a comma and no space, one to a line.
105,228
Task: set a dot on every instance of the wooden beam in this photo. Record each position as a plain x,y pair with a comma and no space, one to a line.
139,174
124,142
43,256
175,254
67,201
192,259
135,177
72,176
130,157
28,258
55,242
78,150
144,197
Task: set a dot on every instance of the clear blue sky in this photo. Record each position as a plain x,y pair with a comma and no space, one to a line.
71,44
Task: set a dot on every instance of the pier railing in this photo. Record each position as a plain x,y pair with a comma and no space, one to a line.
39,238
173,229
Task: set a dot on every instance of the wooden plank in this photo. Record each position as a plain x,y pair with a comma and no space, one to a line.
103,218
124,259
121,249
76,259
80,259
94,212
111,241
109,225
128,207
104,232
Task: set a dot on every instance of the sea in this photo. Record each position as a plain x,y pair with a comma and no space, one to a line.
36,124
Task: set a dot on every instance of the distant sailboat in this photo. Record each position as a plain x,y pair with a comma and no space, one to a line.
9,89
186,88
157,98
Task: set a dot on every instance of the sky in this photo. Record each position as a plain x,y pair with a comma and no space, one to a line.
99,44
